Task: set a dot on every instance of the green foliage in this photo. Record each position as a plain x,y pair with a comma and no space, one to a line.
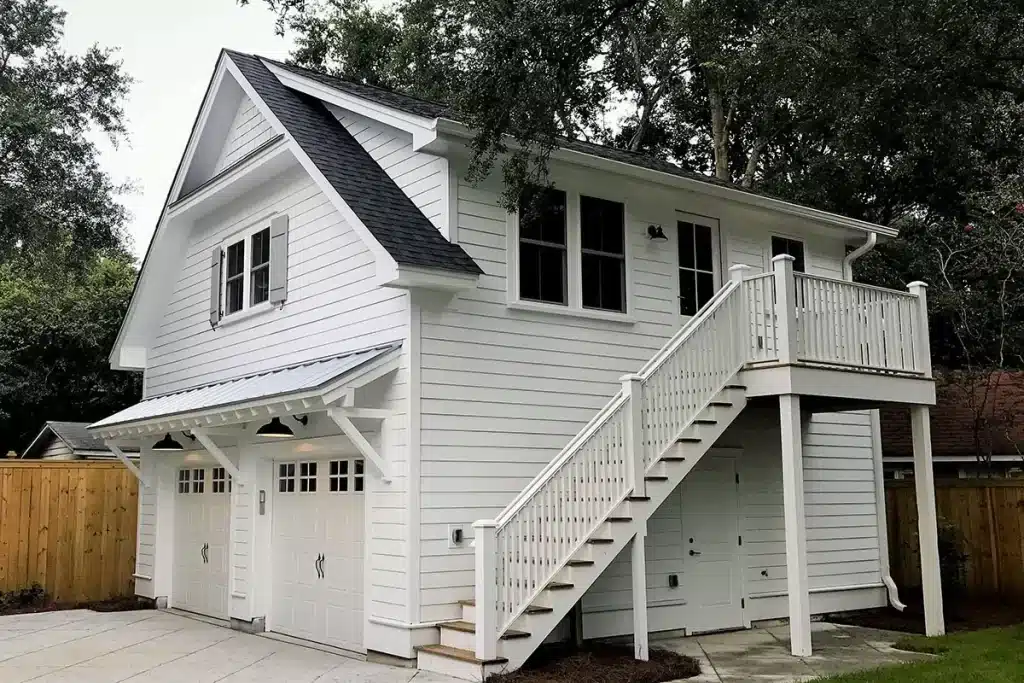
33,596
52,190
56,328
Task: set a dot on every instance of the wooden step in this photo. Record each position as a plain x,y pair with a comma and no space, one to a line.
574,563
459,654
688,439
532,609
655,477
600,541
721,404
705,422
673,458
620,519
558,586
470,627
742,387
639,499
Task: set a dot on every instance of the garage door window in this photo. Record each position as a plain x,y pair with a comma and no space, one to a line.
286,477
221,480
345,476
307,477
183,480
198,481
358,476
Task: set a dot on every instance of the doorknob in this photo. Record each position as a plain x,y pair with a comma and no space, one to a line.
694,552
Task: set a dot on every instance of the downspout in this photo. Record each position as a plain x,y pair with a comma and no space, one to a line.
876,455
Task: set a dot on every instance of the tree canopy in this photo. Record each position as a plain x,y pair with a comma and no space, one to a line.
905,114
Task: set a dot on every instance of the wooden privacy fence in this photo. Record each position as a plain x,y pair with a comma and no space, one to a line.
989,513
69,526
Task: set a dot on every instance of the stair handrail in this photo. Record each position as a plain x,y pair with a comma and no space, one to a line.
649,368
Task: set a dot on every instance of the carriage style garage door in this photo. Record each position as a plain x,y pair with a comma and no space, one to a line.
201,521
318,551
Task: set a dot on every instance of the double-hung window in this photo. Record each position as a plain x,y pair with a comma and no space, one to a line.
696,266
247,272
795,248
570,251
543,263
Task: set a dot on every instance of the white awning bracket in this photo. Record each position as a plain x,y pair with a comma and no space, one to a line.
119,454
207,440
368,451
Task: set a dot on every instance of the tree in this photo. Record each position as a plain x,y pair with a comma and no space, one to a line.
52,189
56,328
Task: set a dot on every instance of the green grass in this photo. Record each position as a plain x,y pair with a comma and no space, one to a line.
994,655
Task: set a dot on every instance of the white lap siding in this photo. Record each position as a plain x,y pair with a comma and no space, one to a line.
504,390
249,130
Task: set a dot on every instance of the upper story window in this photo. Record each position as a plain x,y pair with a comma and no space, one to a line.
795,248
696,266
569,252
603,254
543,263
250,270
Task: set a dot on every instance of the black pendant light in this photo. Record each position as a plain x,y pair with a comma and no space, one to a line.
167,444
275,429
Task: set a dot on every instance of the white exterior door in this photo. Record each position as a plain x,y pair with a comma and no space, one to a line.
202,512
711,545
318,537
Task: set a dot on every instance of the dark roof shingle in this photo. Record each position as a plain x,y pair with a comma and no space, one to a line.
390,216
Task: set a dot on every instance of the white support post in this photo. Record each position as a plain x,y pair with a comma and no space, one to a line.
638,562
927,520
364,446
632,386
785,307
485,532
218,455
880,512
119,454
919,329
739,272
795,524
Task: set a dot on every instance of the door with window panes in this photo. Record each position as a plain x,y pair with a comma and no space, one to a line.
202,509
318,550
698,262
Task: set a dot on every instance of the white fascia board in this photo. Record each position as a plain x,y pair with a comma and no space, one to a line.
411,277
458,130
381,256
422,129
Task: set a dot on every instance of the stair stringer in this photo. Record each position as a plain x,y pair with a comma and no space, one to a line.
555,603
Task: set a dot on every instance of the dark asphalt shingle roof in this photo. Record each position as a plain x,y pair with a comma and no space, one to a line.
427,109
390,216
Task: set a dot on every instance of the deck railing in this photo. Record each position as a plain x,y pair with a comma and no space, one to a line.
778,317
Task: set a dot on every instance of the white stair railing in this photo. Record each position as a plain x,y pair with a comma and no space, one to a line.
520,552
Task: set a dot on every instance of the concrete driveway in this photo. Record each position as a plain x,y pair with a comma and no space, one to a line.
80,646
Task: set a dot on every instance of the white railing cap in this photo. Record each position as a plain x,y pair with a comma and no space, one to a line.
485,524
783,257
918,283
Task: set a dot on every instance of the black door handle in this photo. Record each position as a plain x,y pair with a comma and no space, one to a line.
694,552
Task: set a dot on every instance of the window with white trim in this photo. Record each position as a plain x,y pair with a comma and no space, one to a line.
246,271
543,245
307,477
184,479
696,266
220,480
603,254
358,476
795,248
198,481
286,477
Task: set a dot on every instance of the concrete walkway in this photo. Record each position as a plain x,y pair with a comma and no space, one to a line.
762,653
81,646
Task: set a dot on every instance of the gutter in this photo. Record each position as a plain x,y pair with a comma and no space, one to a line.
876,456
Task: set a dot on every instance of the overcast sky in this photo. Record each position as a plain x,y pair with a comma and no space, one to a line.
169,47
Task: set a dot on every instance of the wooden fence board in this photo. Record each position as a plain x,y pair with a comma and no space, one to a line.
69,526
990,517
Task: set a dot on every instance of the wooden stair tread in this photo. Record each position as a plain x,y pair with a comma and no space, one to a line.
722,404
459,654
620,519
470,627
570,563
558,586
532,609
705,422
688,439
655,477
673,458
639,499
600,541
736,386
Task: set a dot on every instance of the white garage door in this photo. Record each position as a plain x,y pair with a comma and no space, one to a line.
202,509
318,551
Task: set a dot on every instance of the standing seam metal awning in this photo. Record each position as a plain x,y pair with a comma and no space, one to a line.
310,385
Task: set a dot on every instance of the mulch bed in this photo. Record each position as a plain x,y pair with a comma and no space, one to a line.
964,614
122,604
601,664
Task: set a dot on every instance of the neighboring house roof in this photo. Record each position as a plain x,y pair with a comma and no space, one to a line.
74,435
390,216
428,109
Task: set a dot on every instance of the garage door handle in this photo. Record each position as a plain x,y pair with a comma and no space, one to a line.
204,552
317,567
694,552
323,573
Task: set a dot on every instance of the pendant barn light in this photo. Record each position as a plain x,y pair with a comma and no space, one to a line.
275,429
167,444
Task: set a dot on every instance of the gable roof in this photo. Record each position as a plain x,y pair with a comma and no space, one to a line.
386,211
74,435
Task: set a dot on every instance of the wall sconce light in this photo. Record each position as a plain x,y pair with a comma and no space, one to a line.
656,234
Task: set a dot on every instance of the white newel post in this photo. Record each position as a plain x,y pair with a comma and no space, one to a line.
919,329
785,307
486,589
632,386
927,520
638,557
795,525
739,272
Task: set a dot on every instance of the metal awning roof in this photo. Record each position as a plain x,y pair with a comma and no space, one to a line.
307,387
